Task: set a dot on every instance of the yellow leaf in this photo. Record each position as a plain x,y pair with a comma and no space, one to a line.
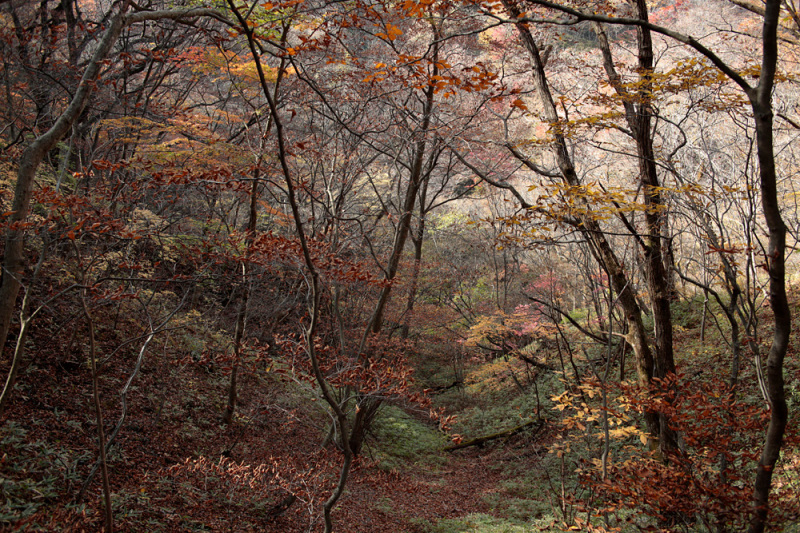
643,438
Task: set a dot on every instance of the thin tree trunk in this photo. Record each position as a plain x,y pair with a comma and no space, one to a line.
703,318
249,240
655,221
101,438
417,239
16,360
761,100
241,315
655,214
639,116
241,318
415,181
310,334
367,407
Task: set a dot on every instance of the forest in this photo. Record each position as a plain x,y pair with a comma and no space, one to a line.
423,266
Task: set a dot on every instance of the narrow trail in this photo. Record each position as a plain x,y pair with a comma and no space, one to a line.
466,482
395,502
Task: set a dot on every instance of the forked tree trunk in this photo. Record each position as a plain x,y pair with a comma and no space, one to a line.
404,226
639,115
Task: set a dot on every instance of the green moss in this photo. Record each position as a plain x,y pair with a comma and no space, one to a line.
402,441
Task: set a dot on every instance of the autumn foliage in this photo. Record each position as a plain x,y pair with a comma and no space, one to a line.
417,266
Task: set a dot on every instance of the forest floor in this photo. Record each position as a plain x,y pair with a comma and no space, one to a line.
175,467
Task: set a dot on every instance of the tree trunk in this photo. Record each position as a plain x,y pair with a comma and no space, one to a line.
480,441
241,315
639,116
314,311
415,181
98,410
655,220
761,100
417,239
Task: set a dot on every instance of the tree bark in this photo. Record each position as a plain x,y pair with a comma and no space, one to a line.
417,238
404,225
315,282
101,438
639,116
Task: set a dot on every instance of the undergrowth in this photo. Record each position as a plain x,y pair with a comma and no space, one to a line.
34,476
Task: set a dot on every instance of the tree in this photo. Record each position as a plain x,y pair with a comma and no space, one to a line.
587,224
760,99
14,259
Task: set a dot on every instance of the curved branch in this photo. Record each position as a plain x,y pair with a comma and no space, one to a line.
598,338
500,185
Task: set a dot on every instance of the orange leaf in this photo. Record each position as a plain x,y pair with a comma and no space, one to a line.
393,32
